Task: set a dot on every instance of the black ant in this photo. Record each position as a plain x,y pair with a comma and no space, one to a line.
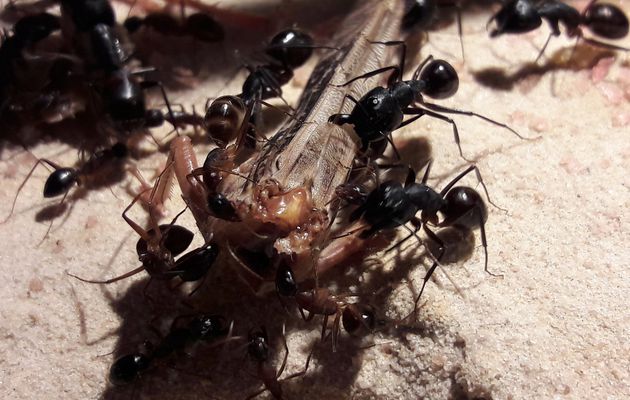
391,205
61,180
603,19
128,368
258,350
200,26
381,110
320,301
27,31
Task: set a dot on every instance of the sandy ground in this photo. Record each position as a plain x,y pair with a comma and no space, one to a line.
556,325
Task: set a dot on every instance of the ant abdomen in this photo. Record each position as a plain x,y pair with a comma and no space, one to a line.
128,368
607,21
440,79
224,118
203,27
463,206
358,319
291,47
59,182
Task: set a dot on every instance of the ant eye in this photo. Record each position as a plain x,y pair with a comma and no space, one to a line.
375,101
441,79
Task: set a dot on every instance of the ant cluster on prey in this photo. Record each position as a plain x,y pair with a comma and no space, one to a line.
283,216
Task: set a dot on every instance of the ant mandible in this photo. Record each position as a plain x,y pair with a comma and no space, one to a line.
603,19
381,110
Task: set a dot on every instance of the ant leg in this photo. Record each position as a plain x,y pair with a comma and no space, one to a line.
303,372
442,109
152,84
52,220
370,74
286,352
484,243
139,230
28,176
419,112
417,223
416,73
112,280
398,73
479,178
542,51
324,327
431,270
335,330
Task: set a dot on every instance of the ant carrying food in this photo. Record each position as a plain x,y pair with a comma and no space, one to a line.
319,301
203,328
158,247
381,110
392,204
603,19
258,350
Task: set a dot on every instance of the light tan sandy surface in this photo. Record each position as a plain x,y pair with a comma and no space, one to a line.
555,326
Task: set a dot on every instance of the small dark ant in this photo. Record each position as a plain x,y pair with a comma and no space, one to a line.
130,367
288,50
61,180
199,26
603,19
258,350
320,301
381,110
391,205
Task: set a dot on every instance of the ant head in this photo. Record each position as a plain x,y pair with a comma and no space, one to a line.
258,348
128,368
224,118
440,79
420,15
463,206
285,281
291,47
516,16
204,27
59,182
358,318
175,239
606,20
208,327
222,208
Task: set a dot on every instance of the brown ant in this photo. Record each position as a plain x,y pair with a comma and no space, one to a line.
603,19
258,350
320,301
